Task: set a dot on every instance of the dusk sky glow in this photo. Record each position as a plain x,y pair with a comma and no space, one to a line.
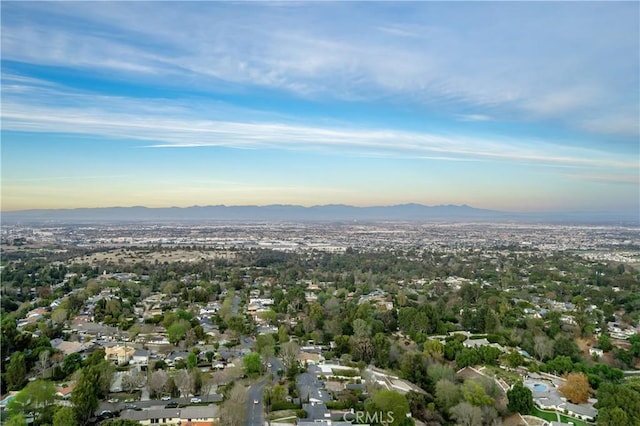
515,106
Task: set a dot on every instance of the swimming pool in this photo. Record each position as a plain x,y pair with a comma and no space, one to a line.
539,387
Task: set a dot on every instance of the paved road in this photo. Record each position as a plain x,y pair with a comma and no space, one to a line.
234,305
154,403
255,411
255,404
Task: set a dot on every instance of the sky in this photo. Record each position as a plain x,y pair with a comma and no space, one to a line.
513,106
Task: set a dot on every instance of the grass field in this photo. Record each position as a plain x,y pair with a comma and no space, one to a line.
551,416
575,421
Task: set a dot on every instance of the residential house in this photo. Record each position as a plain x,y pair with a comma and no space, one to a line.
120,355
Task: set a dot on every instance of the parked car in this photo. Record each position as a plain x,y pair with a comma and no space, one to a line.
195,400
166,398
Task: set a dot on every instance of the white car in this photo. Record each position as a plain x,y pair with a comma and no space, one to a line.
195,400
165,398
255,401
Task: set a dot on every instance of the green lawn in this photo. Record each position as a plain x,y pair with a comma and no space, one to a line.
551,416
575,421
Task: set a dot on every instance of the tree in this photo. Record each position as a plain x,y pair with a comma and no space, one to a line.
35,397
43,361
604,342
178,330
278,393
560,364
16,375
121,422
157,382
65,417
434,349
84,396
474,393
289,352
576,388
59,316
206,384
467,414
625,397
615,416
183,381
16,420
447,394
520,399
234,410
439,371
514,359
192,360
542,347
252,364
71,363
264,340
393,404
134,379
467,357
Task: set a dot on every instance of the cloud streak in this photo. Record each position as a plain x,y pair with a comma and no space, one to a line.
163,128
518,69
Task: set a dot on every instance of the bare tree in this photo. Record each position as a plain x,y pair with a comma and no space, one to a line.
157,382
543,347
43,362
206,384
134,379
234,409
467,414
184,382
290,352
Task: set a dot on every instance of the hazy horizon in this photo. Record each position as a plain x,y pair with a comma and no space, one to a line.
508,106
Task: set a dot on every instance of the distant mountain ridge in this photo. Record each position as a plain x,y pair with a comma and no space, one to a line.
286,213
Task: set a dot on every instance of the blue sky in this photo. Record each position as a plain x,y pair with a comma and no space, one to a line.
517,106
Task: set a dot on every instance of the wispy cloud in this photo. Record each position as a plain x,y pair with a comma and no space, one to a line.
561,62
177,126
474,117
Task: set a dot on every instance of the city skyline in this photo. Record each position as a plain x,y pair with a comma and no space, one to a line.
507,106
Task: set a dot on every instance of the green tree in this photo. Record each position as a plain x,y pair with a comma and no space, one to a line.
85,394
35,397
16,375
604,342
121,422
514,359
624,397
71,363
192,360
252,364
65,416
392,404
520,399
467,357
16,420
447,394
615,416
178,330
474,393
278,393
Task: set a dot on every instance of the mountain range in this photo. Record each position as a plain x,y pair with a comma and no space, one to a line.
288,213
